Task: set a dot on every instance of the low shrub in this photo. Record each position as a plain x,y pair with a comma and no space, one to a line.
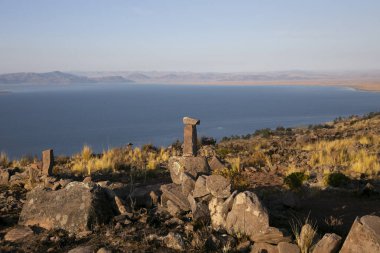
295,180
336,179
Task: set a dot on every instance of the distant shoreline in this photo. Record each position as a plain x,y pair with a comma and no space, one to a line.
370,86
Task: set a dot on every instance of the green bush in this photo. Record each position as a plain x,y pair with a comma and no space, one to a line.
336,179
295,180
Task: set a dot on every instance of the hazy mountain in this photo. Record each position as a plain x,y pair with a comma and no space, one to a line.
56,77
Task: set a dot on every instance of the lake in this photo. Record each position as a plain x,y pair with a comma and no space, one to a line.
105,116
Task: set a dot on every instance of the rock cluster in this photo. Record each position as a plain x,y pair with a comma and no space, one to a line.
209,197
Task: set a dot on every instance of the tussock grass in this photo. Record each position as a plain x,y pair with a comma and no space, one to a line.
304,233
354,154
119,158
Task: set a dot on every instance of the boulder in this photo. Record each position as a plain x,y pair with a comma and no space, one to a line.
330,243
173,193
75,208
200,189
187,185
247,216
286,247
262,247
219,209
218,186
364,235
18,233
193,166
216,164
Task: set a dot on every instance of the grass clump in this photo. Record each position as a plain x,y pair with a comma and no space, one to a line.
304,233
336,179
295,180
357,155
4,159
147,158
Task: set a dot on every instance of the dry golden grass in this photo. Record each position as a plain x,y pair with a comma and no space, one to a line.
118,158
354,154
4,160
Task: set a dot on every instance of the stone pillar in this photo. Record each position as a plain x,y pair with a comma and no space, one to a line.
190,136
47,162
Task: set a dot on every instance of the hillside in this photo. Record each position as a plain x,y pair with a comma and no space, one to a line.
253,192
56,78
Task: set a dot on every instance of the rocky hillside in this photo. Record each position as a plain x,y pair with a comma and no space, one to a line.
313,189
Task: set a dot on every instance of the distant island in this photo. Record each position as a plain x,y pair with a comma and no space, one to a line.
362,80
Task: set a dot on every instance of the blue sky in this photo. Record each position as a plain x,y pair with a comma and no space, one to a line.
191,35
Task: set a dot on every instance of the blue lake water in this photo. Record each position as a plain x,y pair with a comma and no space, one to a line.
106,116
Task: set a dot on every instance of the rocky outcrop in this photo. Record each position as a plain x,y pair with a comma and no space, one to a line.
75,208
364,235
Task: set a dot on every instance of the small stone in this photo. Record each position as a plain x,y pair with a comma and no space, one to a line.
87,180
82,249
120,205
244,247
174,241
104,250
262,247
286,247
191,121
218,186
272,235
18,233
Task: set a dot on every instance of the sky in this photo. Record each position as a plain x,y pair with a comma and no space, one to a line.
189,35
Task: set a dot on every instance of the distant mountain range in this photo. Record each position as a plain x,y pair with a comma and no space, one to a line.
57,77
366,80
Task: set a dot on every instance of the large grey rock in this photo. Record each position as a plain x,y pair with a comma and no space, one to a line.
330,243
364,235
75,208
187,185
193,166
173,193
247,216
218,186
219,209
216,164
199,210
200,189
